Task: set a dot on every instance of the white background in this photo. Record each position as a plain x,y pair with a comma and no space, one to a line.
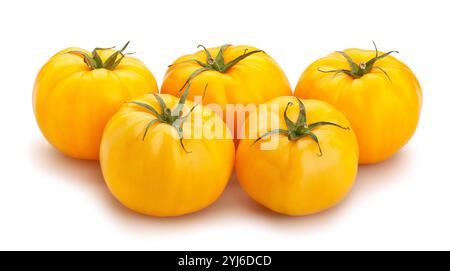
48,201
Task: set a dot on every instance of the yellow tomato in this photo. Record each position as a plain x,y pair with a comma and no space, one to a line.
302,159
76,92
157,161
379,95
234,75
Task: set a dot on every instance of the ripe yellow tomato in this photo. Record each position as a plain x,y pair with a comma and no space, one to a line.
157,161
298,158
76,92
379,95
234,75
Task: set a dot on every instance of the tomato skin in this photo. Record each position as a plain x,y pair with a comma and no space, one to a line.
72,103
292,178
384,113
155,175
253,80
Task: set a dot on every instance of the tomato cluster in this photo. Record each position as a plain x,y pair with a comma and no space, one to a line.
168,154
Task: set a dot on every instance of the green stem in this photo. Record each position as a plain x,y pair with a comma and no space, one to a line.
300,128
171,117
94,60
216,64
364,67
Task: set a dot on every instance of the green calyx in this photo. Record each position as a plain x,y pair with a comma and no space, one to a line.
173,117
215,64
94,60
358,70
299,128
